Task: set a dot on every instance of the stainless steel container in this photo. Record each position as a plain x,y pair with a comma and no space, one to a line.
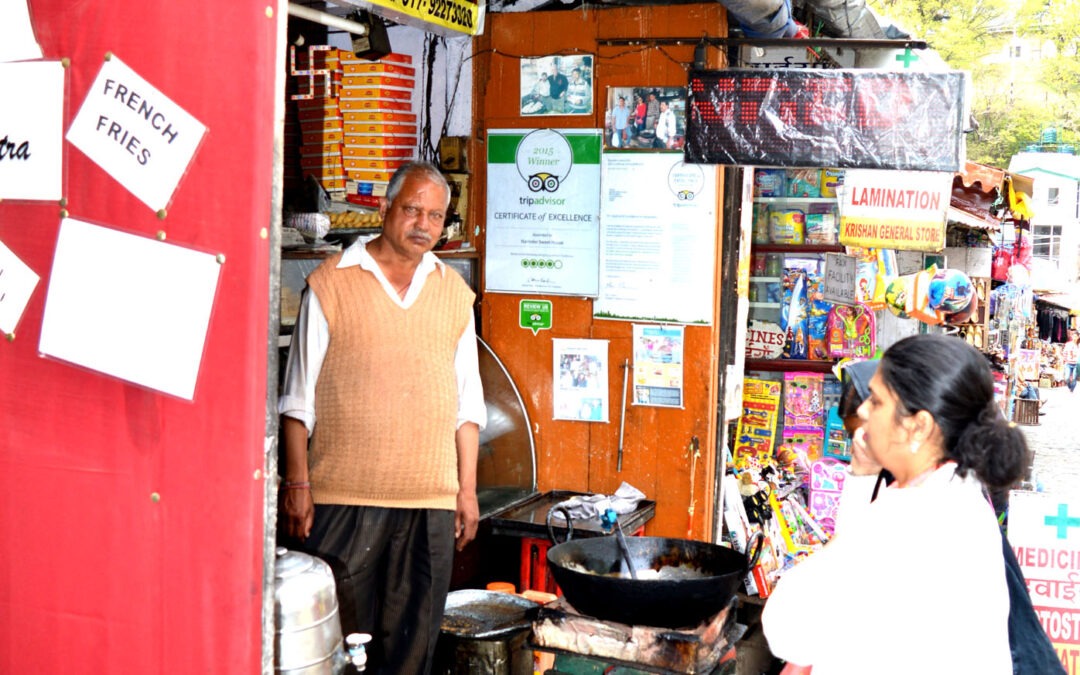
307,638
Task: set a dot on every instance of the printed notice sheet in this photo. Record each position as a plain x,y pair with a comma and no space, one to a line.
657,238
129,306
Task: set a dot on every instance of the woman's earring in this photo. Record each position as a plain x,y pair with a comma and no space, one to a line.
914,447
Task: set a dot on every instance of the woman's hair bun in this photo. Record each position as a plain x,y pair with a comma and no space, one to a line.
996,450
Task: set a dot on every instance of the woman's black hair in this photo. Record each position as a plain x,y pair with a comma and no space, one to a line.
849,401
854,386
951,380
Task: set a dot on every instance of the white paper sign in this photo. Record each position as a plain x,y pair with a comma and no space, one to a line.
657,238
17,282
839,281
136,134
17,41
129,306
32,130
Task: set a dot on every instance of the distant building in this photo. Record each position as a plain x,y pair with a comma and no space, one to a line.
1055,228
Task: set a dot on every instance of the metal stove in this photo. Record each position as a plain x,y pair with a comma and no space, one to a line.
584,644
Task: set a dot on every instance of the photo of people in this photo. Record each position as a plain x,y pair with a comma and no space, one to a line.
580,386
645,118
557,85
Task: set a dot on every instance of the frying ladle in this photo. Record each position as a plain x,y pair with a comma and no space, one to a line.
608,520
625,550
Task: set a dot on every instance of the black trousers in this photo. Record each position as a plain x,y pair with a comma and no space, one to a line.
392,570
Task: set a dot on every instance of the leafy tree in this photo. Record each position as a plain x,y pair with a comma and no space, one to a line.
1010,108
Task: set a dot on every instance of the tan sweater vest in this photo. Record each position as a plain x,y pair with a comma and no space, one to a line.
386,400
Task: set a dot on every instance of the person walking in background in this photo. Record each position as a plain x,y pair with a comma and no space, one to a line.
383,375
1070,353
914,581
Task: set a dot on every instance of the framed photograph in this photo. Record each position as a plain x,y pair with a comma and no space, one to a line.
645,118
557,85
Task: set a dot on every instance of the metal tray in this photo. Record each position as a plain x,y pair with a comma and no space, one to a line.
347,235
529,518
483,615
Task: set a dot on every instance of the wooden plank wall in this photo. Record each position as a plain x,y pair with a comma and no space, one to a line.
578,455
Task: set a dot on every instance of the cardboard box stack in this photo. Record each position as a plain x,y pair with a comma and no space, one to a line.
380,127
359,131
318,115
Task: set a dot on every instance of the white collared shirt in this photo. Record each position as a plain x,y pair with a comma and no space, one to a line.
311,337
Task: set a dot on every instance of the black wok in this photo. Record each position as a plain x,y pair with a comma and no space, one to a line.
593,577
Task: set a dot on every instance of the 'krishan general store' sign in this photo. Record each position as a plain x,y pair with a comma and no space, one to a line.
901,210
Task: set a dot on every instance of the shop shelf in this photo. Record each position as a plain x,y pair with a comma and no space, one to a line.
776,365
801,200
798,248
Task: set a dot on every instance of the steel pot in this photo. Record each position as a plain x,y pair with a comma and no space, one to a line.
683,582
307,639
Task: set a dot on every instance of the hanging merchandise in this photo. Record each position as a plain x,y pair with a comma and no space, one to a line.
1019,203
896,296
1022,249
950,291
964,315
918,298
1016,252
1003,259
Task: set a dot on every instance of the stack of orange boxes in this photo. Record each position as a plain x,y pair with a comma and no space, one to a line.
357,132
321,124
380,127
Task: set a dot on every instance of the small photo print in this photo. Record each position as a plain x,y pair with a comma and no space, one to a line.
645,118
557,85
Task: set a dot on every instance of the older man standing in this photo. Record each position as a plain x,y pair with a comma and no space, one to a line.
382,374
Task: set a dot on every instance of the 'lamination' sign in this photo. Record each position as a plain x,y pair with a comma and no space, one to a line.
837,118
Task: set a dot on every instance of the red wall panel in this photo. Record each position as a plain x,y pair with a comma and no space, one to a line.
96,575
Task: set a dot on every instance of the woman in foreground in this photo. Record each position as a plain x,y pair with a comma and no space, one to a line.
913,582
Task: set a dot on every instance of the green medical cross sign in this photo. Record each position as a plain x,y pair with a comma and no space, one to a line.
907,58
1062,521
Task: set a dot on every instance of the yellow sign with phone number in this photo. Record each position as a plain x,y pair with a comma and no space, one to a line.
444,17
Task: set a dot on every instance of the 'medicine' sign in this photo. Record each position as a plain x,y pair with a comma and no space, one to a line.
1044,531
136,133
